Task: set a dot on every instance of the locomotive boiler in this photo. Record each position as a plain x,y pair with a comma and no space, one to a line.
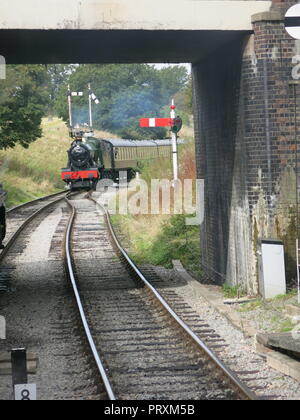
91,159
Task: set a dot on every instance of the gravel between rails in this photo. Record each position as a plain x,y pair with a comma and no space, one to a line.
41,316
145,355
239,352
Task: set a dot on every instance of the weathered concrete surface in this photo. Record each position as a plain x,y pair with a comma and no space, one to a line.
107,46
119,31
289,342
129,14
272,344
284,364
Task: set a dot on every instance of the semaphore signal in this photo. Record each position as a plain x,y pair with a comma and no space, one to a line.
175,124
156,122
92,98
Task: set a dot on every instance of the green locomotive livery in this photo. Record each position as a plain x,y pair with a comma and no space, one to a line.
91,159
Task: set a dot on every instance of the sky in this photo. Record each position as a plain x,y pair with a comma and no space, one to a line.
161,65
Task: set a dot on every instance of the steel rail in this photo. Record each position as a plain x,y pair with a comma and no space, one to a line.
242,388
69,266
20,206
15,235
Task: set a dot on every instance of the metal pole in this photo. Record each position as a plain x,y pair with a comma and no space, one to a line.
174,145
297,192
298,274
296,163
70,107
297,187
90,107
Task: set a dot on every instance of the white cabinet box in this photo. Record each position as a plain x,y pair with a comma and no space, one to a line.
272,280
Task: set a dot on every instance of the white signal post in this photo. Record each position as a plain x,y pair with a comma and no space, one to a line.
92,98
174,145
90,108
175,125
70,94
70,107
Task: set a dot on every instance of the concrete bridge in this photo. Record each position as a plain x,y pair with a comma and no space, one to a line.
111,31
246,102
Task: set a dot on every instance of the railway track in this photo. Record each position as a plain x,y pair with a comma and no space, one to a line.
142,348
37,303
18,218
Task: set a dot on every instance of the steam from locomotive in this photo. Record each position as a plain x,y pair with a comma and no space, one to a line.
91,159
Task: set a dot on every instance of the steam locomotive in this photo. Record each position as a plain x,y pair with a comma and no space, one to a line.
91,159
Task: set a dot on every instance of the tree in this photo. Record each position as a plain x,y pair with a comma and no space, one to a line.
173,80
58,75
23,97
184,101
128,106
126,93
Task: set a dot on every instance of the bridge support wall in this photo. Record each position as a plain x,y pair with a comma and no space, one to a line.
247,130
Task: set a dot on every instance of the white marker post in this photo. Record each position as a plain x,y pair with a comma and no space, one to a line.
174,145
25,392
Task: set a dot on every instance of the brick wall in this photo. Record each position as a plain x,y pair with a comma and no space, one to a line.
246,148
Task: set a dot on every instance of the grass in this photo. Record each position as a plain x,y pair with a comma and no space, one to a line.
286,326
282,298
31,173
272,312
232,292
278,302
251,306
159,239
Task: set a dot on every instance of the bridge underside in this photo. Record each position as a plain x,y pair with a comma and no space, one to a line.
111,46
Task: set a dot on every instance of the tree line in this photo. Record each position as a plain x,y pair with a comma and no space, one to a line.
126,93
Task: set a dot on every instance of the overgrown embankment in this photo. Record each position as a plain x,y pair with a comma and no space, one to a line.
30,173
159,239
